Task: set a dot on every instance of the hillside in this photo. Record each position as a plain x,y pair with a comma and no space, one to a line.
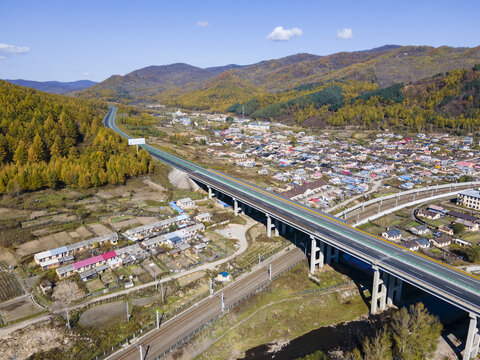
449,101
215,95
51,141
147,81
54,87
179,84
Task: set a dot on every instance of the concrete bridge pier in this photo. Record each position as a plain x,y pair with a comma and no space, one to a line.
316,251
332,255
379,292
276,227
210,193
270,226
235,207
473,339
394,289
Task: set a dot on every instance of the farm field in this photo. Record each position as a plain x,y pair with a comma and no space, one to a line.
9,287
18,308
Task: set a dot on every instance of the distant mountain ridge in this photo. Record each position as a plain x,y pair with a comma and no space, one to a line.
54,87
181,84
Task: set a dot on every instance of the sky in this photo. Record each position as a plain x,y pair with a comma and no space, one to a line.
72,40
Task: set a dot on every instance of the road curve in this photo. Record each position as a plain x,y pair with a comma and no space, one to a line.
441,280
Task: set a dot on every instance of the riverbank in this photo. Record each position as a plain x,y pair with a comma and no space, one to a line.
291,307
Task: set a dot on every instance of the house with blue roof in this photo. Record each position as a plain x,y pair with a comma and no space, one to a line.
223,277
423,243
392,235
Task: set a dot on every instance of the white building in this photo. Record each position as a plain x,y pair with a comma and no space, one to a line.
186,203
469,199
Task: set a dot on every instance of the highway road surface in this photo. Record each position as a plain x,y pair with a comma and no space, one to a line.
441,280
181,326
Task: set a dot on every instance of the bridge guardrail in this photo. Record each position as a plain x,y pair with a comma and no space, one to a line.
406,193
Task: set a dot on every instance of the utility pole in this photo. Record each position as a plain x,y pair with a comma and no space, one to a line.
223,302
270,272
141,352
156,283
211,287
128,313
158,321
259,259
68,319
161,290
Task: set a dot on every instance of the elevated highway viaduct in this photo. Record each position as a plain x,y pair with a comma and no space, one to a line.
392,264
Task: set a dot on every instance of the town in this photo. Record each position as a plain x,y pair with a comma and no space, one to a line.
325,169
244,180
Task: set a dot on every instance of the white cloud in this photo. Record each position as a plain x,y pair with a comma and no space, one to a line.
281,34
346,33
10,50
202,23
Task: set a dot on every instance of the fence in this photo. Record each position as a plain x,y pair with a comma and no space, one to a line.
196,331
408,192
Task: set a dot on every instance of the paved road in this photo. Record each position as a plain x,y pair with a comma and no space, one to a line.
236,231
443,281
182,325
360,213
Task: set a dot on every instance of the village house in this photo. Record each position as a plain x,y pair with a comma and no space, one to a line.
204,217
446,229
180,249
186,203
392,235
56,257
145,231
419,230
411,245
469,225
111,258
223,277
431,215
423,243
460,215
441,241
304,190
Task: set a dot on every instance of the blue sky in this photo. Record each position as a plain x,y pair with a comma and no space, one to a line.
72,40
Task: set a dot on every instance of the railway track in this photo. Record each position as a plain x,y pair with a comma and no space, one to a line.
180,327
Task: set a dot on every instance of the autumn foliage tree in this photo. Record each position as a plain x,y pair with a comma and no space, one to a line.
50,141
412,333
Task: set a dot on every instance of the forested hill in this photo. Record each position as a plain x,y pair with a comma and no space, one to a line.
52,141
54,87
183,85
448,101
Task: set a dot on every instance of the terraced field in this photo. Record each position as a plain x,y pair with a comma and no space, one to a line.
9,286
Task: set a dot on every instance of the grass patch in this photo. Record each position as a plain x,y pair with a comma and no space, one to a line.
268,316
150,202
181,194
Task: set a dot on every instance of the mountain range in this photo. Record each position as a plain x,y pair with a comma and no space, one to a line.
54,87
189,86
